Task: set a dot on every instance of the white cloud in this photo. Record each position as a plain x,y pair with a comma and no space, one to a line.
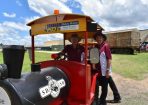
114,14
46,7
92,8
14,25
29,19
12,33
18,34
12,15
64,1
18,3
145,2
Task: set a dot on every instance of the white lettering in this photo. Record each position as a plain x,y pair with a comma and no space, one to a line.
45,91
53,88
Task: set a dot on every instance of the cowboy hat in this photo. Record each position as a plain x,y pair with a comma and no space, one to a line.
74,36
99,33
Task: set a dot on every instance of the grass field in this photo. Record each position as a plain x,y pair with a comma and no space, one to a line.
130,66
39,56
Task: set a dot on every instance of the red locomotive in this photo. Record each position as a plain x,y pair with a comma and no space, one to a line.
52,82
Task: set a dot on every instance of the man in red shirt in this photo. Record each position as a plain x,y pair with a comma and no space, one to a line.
74,51
104,66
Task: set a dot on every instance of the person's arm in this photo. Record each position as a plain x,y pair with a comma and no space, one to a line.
108,57
65,50
60,54
108,68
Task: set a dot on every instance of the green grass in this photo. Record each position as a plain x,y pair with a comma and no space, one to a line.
39,56
130,66
1,57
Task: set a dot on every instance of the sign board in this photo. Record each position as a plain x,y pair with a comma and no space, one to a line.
75,25
53,87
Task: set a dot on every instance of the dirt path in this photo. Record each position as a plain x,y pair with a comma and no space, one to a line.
132,92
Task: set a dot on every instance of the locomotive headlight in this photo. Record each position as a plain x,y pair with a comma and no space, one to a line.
4,97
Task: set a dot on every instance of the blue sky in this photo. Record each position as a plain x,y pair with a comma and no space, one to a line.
15,10
110,14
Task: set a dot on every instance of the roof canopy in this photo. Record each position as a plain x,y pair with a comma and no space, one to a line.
62,23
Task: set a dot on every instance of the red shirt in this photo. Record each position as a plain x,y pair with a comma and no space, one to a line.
74,54
104,47
105,54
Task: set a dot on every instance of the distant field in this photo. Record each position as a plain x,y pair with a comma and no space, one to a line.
130,66
40,56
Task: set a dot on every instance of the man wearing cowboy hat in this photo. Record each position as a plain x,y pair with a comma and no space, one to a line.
104,67
74,51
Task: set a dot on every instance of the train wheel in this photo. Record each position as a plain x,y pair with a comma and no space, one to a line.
7,95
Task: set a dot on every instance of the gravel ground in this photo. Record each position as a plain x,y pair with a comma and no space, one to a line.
132,92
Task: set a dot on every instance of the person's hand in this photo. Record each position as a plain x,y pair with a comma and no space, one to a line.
107,73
